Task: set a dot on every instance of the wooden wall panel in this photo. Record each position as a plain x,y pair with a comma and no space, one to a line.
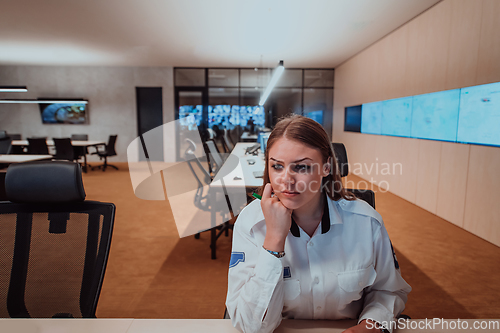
464,43
488,65
429,158
428,44
452,45
453,182
482,208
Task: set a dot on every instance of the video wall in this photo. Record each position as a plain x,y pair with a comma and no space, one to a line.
224,116
467,115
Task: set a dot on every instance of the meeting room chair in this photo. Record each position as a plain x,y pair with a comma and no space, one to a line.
64,149
38,146
54,244
201,200
5,145
108,151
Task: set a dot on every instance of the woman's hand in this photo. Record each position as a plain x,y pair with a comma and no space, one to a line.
366,326
278,220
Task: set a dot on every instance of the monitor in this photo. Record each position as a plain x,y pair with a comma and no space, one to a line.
72,112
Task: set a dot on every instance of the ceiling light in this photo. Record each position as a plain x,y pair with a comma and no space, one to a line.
276,75
36,101
13,89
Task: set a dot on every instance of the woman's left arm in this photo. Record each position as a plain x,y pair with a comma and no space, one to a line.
385,299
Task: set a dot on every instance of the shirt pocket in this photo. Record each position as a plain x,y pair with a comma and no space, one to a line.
291,288
352,284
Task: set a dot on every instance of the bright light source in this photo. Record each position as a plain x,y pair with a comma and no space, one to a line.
13,89
276,75
35,101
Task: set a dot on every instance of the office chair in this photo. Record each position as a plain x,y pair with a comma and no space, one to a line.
215,163
107,152
227,142
38,146
54,244
3,134
343,168
201,199
5,145
64,149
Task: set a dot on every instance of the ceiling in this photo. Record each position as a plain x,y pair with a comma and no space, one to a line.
198,33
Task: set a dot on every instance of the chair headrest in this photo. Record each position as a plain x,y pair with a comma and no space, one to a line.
341,155
44,182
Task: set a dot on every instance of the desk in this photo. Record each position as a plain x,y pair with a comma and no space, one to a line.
75,143
10,159
203,326
247,137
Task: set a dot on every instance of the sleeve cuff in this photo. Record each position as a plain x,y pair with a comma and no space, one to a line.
268,267
382,317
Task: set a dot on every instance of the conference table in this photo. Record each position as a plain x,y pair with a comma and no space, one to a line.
74,143
219,326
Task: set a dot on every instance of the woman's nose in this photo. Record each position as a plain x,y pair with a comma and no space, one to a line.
289,178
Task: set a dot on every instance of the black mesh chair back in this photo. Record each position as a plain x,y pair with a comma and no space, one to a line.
53,245
64,149
3,134
38,146
5,145
79,137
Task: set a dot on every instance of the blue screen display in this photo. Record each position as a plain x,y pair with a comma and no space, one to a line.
371,118
396,116
479,119
315,115
435,116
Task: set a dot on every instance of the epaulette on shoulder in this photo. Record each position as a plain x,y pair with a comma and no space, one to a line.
360,207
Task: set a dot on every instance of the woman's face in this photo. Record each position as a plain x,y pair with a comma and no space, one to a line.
296,172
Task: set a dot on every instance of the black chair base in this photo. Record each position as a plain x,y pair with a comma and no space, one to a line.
103,167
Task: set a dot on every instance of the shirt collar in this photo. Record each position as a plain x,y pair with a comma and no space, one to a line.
325,220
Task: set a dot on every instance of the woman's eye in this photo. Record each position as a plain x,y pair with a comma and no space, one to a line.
277,167
302,167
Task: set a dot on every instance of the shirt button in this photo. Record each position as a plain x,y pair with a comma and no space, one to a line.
316,280
311,244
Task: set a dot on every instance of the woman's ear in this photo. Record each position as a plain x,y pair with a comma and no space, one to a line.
327,167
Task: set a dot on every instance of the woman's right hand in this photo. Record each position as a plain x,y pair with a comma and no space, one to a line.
278,220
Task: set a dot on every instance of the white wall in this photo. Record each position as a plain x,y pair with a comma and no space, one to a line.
454,44
111,95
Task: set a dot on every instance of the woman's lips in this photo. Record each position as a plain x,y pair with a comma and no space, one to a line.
290,194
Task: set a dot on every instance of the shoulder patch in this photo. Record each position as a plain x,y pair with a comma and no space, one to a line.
236,258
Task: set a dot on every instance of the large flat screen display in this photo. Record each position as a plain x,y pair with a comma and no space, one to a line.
479,119
396,116
64,113
435,115
371,118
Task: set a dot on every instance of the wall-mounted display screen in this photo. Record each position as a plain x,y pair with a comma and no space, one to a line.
371,118
479,120
64,113
315,115
352,119
466,115
435,115
396,116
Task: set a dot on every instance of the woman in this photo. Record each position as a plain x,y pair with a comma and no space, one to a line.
308,249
